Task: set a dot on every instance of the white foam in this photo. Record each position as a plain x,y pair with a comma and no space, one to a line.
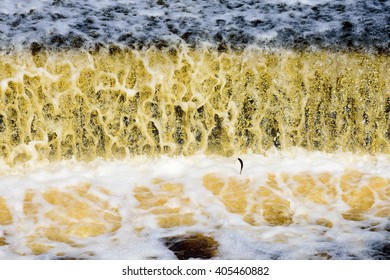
237,239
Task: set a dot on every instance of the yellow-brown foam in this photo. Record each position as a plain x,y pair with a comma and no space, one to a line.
67,216
271,203
59,105
157,203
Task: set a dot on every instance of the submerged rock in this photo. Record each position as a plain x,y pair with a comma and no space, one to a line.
196,246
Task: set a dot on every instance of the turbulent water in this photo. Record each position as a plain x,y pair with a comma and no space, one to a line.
121,123
273,23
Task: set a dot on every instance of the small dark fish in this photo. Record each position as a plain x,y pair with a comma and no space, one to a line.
242,164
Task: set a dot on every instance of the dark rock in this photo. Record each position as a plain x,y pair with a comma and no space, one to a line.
347,26
68,259
35,48
57,16
113,49
161,2
160,44
125,37
2,124
387,110
322,256
220,22
16,22
381,251
57,39
77,41
58,3
195,245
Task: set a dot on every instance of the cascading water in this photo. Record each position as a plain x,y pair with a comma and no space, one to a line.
121,124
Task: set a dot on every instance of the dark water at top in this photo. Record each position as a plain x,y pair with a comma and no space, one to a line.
361,24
